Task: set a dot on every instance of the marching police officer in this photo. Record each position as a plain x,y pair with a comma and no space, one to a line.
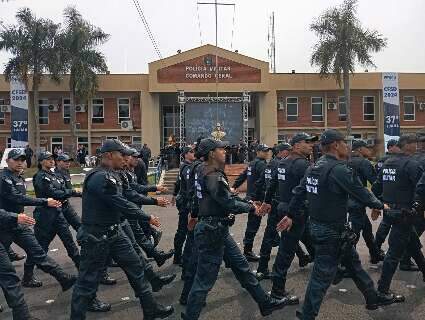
397,183
287,176
9,281
182,201
63,162
327,186
360,222
392,149
254,176
101,235
212,237
13,198
51,221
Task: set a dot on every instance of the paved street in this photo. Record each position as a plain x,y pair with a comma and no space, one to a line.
227,300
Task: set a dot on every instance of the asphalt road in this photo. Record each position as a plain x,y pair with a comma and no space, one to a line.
227,300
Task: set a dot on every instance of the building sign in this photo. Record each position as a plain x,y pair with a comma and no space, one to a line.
391,106
19,114
204,70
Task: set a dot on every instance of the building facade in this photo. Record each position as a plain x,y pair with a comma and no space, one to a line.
145,107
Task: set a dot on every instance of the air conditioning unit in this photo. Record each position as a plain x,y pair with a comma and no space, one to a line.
281,105
127,125
5,108
421,106
53,108
332,105
80,108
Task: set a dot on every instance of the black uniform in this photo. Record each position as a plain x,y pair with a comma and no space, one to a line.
327,186
9,281
360,222
101,236
51,221
397,182
254,175
68,210
13,198
287,176
213,240
181,192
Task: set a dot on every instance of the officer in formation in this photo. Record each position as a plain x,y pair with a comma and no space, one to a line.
13,199
254,176
326,186
217,207
288,175
182,202
101,235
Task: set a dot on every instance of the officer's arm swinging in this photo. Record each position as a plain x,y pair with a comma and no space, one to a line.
240,179
12,194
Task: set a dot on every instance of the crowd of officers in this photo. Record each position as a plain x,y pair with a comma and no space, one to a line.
315,210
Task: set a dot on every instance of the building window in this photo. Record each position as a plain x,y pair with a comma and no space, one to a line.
84,141
43,109
2,115
123,109
409,108
9,142
368,108
281,137
136,140
170,123
342,109
98,115
291,108
66,110
316,109
57,142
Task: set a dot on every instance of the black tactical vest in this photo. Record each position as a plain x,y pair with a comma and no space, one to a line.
396,186
325,205
355,163
286,178
208,207
251,178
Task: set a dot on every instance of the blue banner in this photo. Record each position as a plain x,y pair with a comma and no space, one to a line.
19,114
391,101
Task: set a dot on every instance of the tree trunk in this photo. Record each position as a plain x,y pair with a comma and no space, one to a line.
72,122
36,113
347,95
89,116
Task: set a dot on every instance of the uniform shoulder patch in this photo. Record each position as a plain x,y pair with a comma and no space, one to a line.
222,179
46,178
9,181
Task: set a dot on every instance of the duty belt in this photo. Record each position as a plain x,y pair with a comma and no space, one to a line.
227,221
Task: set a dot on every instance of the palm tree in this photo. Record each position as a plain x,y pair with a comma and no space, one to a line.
81,59
343,43
33,45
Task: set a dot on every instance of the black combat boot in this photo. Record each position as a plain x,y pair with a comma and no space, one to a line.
159,281
263,269
13,256
156,235
408,265
65,280
161,257
383,299
280,293
272,304
107,280
98,306
29,280
153,310
250,255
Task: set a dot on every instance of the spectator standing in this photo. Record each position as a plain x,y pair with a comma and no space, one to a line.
28,155
146,155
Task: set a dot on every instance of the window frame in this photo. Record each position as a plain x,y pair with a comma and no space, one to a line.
364,105
8,142
66,120
103,111
129,109
132,140
44,104
291,103
2,114
316,103
340,115
414,108
86,144
56,143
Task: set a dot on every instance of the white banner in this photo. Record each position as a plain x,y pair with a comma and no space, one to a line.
19,114
391,99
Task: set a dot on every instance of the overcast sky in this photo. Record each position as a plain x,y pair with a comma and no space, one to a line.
175,25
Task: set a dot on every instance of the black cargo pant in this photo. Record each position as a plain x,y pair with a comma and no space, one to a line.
181,233
97,244
49,223
360,224
10,284
142,240
403,237
252,227
71,216
24,238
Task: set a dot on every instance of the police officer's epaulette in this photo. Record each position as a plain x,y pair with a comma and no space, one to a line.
222,178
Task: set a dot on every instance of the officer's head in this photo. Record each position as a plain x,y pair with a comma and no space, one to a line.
113,151
333,142
16,160
263,151
46,160
362,148
408,143
213,151
392,146
63,161
421,142
133,159
188,153
302,143
282,150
